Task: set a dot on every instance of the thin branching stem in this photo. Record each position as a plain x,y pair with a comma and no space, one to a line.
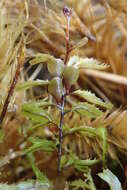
67,12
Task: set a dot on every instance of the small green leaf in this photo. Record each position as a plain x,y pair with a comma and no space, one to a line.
79,184
64,160
88,110
31,83
90,97
84,130
55,88
56,68
88,63
81,43
40,144
111,179
35,113
39,175
102,133
80,165
90,180
91,63
42,58
70,76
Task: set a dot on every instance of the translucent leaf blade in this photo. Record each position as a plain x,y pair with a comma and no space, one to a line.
111,179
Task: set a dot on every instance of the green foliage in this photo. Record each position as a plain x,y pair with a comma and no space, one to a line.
89,63
39,175
79,184
99,132
55,88
81,43
70,76
84,184
56,68
87,110
77,163
35,113
31,83
102,133
42,58
83,130
90,97
40,144
90,180
111,179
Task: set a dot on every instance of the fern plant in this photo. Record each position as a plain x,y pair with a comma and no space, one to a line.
65,75
64,98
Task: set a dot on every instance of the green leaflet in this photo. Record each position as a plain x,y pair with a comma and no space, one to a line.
90,97
90,180
84,184
40,144
81,43
55,88
88,110
102,133
29,84
80,165
79,184
35,113
70,76
88,63
84,130
39,175
38,103
111,179
55,66
42,58
91,63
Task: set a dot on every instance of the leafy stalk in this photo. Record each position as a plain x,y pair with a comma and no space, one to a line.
67,12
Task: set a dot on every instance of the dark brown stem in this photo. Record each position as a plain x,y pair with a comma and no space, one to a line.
11,90
61,134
